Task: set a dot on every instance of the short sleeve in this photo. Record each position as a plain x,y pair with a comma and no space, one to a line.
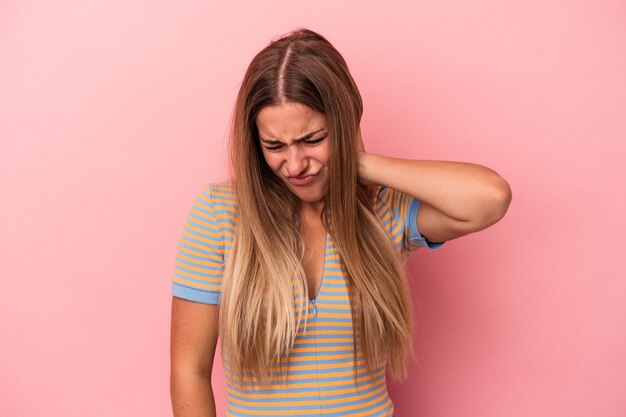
398,214
206,234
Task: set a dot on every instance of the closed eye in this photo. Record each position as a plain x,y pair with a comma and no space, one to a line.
274,148
280,146
315,141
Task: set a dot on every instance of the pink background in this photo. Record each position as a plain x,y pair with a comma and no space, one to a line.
114,114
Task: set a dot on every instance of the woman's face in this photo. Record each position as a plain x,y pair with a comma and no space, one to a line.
295,145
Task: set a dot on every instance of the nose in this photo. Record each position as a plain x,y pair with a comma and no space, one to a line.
296,161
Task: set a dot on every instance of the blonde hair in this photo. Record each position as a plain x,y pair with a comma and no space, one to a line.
263,275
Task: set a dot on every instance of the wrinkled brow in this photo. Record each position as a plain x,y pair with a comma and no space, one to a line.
305,137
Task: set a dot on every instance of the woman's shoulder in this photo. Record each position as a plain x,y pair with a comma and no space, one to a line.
221,188
380,194
218,195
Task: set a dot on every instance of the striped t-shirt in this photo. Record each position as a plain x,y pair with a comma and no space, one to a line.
321,379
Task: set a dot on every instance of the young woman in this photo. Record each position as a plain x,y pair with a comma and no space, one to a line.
297,260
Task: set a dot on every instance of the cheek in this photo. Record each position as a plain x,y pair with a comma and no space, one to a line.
273,160
322,154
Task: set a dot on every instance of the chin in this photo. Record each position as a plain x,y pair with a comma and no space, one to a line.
309,197
315,193
312,196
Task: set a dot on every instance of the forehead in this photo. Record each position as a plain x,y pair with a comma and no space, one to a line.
288,121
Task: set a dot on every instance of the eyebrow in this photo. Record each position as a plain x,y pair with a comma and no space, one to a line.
305,137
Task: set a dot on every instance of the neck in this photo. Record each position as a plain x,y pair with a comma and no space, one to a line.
311,211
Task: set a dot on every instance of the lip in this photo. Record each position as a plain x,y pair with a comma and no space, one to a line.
303,180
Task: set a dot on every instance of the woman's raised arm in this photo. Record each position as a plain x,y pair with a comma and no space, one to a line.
457,197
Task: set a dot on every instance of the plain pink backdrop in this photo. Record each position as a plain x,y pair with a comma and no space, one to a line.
113,115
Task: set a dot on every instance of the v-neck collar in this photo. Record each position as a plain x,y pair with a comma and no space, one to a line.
319,289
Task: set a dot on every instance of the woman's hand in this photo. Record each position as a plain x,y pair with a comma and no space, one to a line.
362,158
359,141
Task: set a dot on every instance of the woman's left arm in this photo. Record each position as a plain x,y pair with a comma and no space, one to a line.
457,198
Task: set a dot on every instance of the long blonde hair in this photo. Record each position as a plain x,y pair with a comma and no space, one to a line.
263,275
